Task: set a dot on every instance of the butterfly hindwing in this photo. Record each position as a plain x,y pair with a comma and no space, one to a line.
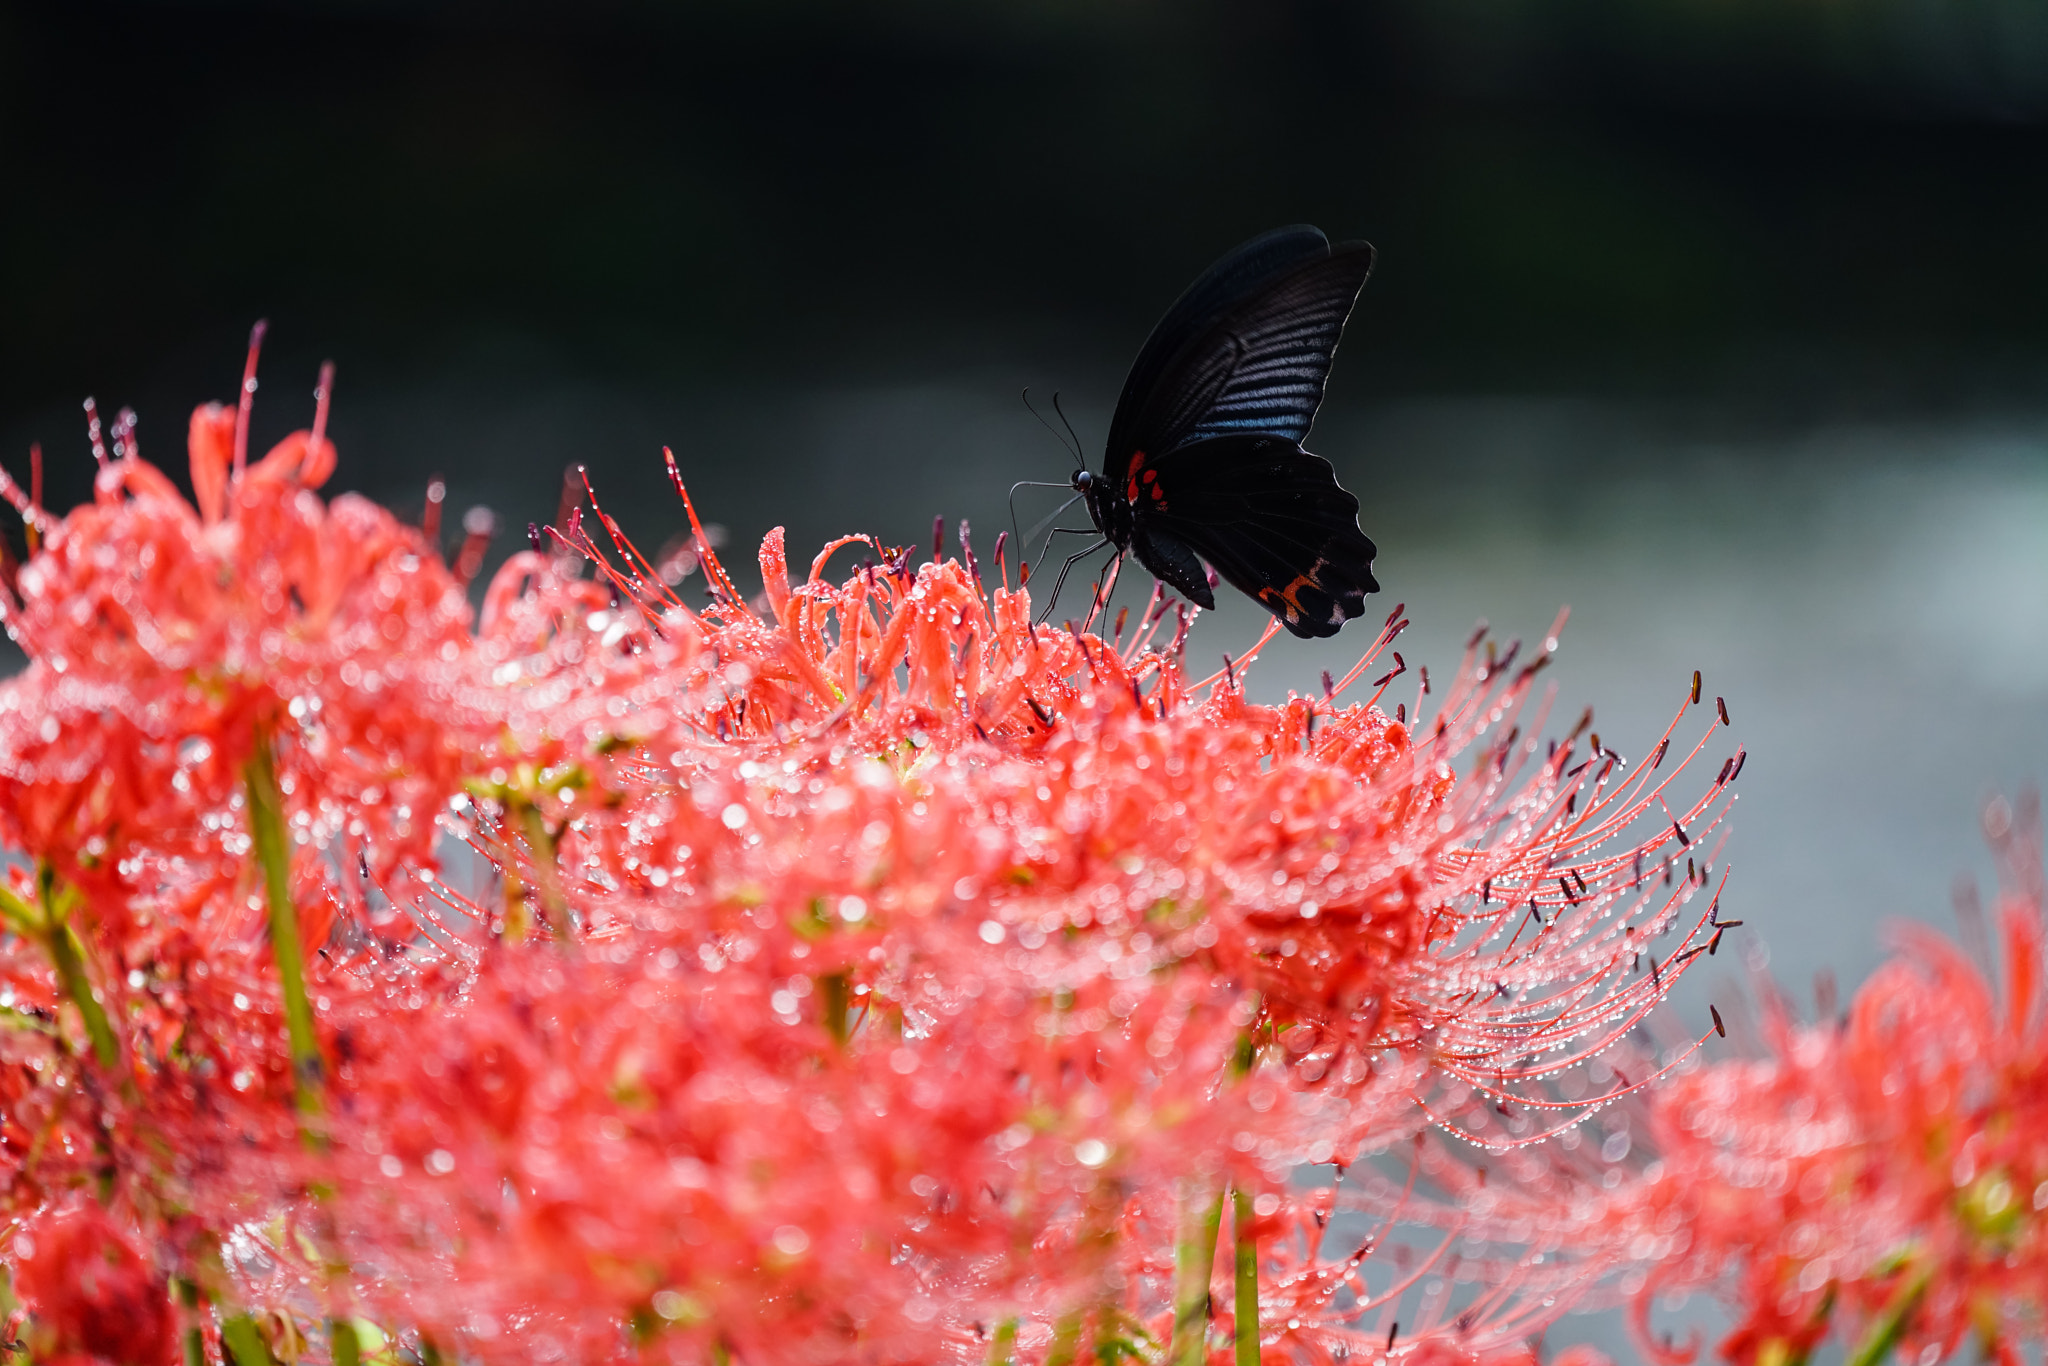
1270,517
1171,562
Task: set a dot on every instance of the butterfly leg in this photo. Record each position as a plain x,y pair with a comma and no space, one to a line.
1046,547
1105,587
1065,567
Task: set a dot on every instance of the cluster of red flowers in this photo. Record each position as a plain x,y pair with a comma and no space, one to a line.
857,972
1881,1176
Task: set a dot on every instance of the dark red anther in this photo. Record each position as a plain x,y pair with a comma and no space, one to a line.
1721,707
1719,1028
1741,758
938,538
430,517
533,536
1695,687
1657,759
967,555
1425,680
1681,838
1329,687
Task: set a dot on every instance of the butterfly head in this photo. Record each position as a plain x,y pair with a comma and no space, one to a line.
1083,480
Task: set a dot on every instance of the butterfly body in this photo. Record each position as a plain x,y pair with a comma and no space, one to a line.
1205,461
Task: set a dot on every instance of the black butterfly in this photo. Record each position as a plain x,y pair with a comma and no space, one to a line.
1204,459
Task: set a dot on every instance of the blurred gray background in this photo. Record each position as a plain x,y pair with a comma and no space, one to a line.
1724,322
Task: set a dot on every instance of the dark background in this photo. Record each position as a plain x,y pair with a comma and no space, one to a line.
1662,195
1723,321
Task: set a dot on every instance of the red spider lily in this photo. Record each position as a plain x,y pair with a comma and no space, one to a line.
1881,1177
890,825
859,974
165,640
94,1297
190,669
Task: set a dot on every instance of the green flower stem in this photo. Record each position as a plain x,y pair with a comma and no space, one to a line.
273,852
193,1338
835,1003
245,1345
1193,1261
347,1346
1884,1335
69,956
541,841
1002,1348
1247,1307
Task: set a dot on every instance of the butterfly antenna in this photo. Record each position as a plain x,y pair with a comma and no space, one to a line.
1070,427
1073,450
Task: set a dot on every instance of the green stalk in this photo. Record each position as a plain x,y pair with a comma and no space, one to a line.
835,1001
347,1346
69,955
541,841
1002,1348
1247,1279
1193,1260
245,1345
273,851
1891,1325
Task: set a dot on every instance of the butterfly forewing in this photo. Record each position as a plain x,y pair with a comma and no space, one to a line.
1254,363
1220,289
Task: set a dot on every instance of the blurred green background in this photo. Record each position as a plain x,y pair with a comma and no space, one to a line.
1723,321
